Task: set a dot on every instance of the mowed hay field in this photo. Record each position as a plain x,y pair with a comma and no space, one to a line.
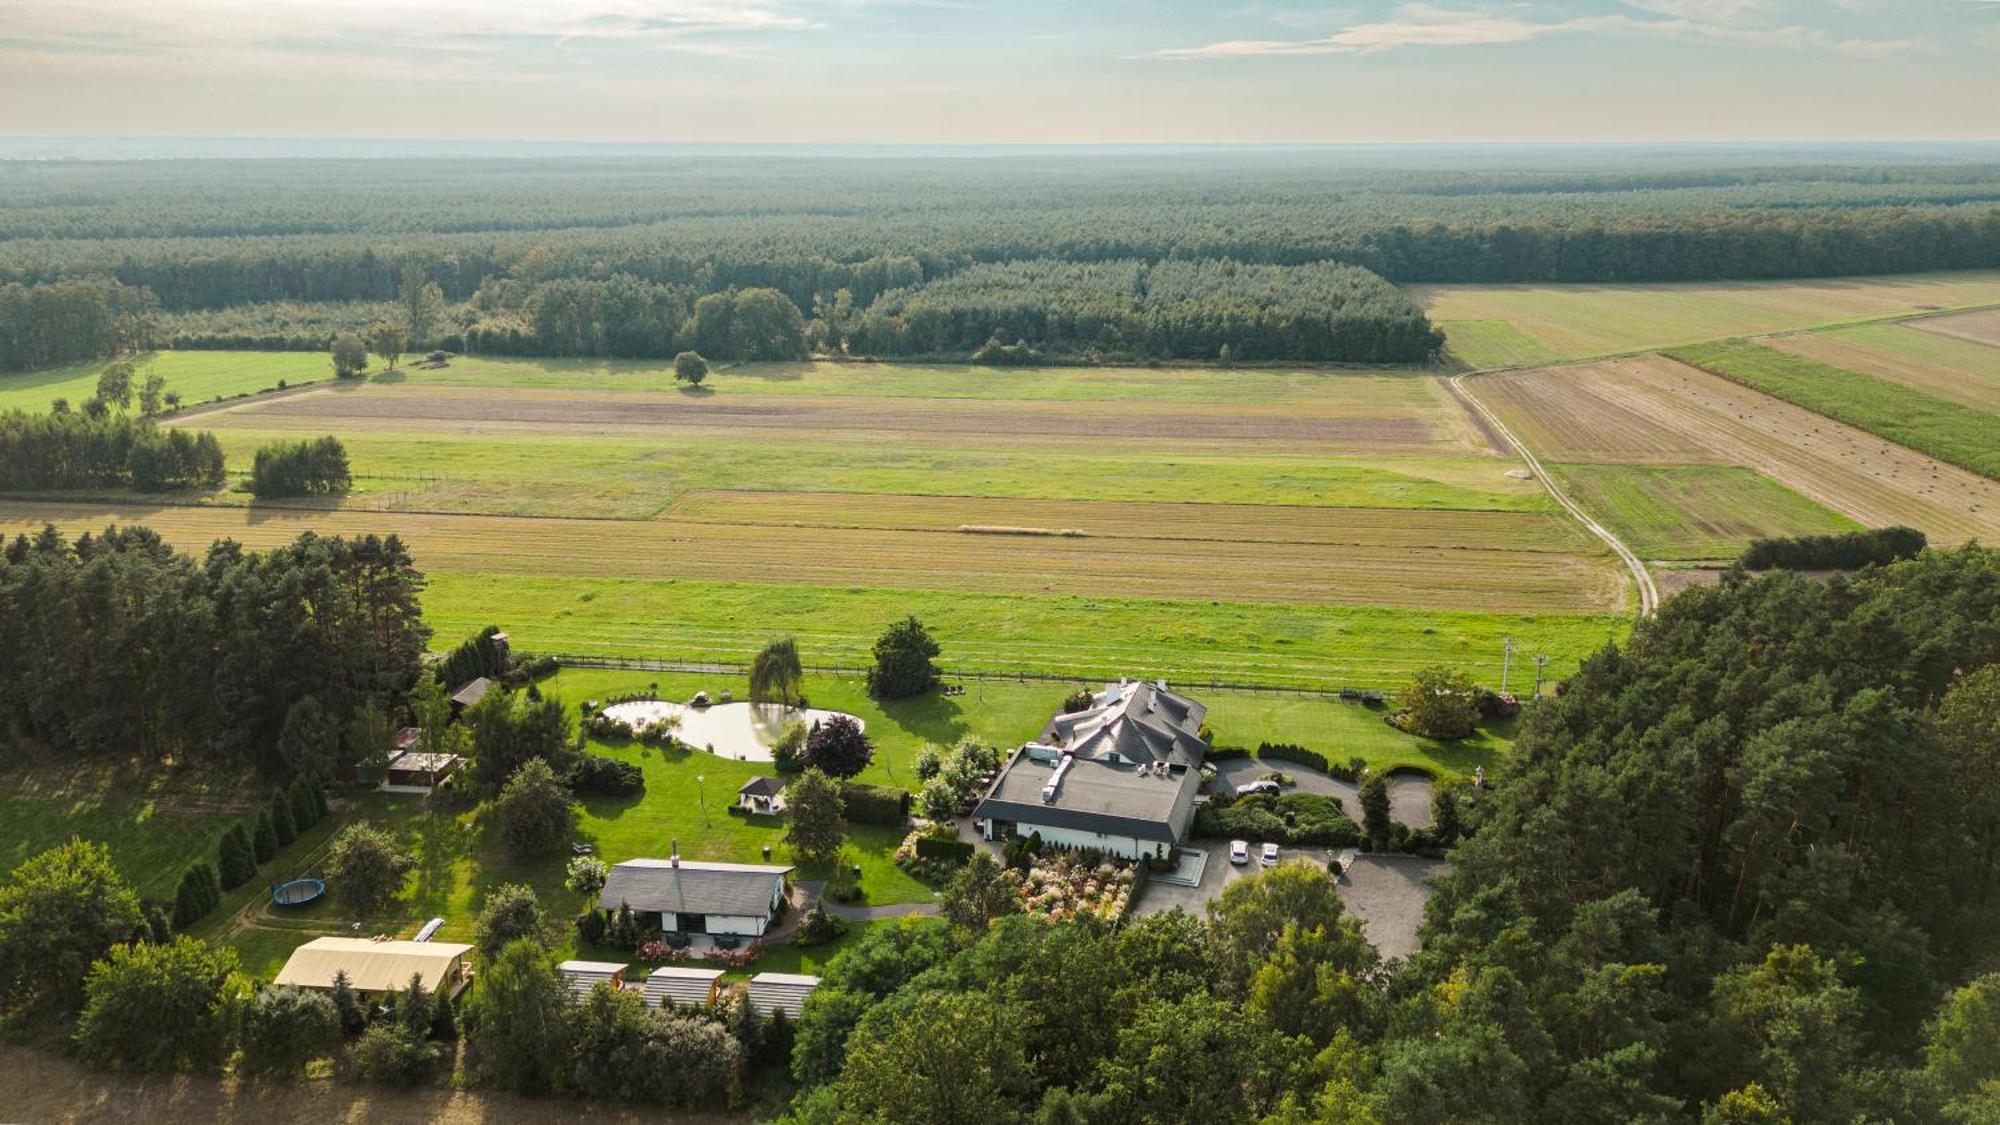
1978,327
1651,410
1950,368
1283,527
1695,513
1524,325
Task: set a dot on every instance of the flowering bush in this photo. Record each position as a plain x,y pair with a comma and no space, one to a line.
736,958
660,952
1061,888
931,869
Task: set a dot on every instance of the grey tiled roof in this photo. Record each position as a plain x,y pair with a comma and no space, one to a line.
761,787
694,887
1094,796
1138,721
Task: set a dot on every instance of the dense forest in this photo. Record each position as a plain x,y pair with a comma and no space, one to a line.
1740,871
117,644
598,255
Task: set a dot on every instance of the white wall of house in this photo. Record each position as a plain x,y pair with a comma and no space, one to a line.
1131,847
739,924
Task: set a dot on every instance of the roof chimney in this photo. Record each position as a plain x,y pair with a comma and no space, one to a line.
675,858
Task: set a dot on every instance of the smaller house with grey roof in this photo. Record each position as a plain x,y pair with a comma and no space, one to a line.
694,897
1119,776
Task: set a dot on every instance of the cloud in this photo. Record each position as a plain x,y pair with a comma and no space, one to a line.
1415,26
316,26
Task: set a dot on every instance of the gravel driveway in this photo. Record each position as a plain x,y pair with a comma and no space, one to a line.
1409,794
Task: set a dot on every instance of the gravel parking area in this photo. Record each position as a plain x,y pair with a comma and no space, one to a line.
1388,893
1409,794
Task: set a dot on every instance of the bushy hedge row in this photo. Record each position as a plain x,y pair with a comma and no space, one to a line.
600,776
875,804
1294,818
476,656
1847,551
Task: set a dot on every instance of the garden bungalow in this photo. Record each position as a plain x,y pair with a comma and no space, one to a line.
470,694
780,992
683,988
582,976
417,771
377,967
763,796
693,897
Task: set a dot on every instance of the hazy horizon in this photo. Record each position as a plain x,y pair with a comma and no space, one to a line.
924,72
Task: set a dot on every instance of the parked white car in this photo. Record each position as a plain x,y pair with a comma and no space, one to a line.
1239,851
1264,786
1270,858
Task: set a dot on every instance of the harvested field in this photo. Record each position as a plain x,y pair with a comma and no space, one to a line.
1403,572
1651,409
1961,435
1576,321
1978,327
1693,512
1424,423
1227,523
1949,368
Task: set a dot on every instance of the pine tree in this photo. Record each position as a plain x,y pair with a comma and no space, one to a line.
264,843
196,897
305,812
236,859
318,798
353,1017
281,819
444,1025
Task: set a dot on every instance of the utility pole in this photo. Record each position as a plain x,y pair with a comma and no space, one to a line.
1506,662
1541,663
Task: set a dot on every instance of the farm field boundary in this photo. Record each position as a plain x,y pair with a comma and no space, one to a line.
1949,431
1655,410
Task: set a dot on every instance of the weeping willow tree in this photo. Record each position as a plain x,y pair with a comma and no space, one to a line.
775,675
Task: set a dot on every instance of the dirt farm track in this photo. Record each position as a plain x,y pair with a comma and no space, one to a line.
1654,410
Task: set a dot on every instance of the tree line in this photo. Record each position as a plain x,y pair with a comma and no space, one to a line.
68,450
72,319
287,660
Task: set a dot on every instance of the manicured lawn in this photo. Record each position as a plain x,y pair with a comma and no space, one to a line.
1694,512
1949,431
197,376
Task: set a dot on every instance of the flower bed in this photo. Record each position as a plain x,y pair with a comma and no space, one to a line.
1062,887
929,868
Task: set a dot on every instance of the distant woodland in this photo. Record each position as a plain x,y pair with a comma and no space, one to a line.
1276,256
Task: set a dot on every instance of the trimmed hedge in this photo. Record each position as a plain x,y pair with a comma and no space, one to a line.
1227,753
951,851
607,777
1292,752
875,804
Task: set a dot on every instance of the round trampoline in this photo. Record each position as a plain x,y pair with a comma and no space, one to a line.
298,892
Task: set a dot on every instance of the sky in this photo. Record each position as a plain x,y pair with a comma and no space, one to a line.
1025,71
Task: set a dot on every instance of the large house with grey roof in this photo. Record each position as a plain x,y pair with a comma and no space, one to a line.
695,897
1119,776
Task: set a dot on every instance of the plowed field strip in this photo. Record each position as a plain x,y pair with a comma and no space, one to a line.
1978,327
1241,523
1313,574
1588,412
1428,422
